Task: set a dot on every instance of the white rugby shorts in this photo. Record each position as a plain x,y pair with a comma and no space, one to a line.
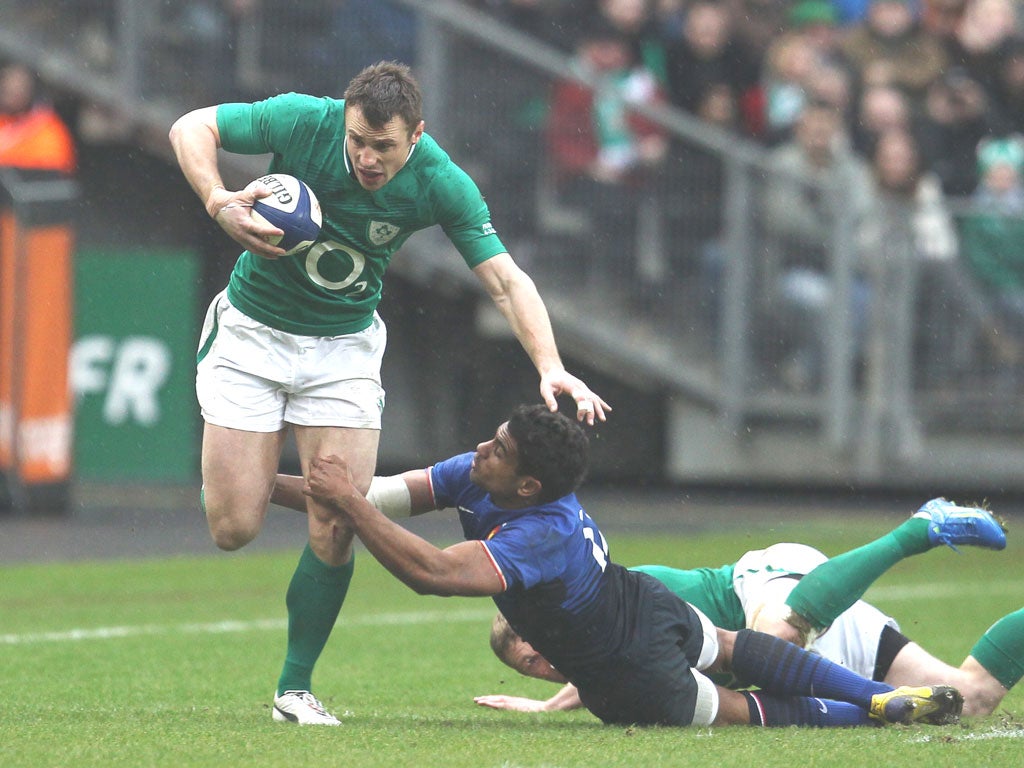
256,378
759,578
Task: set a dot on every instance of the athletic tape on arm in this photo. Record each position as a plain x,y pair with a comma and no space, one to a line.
391,496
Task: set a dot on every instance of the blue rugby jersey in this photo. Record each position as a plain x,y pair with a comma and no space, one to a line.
562,593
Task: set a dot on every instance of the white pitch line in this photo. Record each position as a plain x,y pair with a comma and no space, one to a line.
947,736
222,627
933,591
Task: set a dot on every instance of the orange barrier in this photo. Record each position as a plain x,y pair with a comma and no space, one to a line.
36,288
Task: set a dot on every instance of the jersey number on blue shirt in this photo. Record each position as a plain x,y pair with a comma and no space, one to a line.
597,543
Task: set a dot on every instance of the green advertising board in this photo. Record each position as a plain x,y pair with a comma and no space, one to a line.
133,365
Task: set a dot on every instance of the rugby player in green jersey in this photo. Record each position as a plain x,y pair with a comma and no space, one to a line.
295,341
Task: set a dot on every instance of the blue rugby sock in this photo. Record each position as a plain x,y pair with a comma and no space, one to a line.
786,669
771,711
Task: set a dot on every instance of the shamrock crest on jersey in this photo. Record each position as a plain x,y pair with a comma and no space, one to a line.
380,232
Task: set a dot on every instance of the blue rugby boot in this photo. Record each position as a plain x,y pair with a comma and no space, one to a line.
950,524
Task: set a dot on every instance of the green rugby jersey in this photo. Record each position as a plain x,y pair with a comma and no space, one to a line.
334,287
709,589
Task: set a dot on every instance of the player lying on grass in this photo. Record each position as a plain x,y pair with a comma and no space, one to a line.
859,637
635,652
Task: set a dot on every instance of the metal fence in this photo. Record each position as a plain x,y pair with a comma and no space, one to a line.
873,354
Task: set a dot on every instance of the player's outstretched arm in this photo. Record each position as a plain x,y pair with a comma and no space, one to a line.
288,493
566,698
516,296
464,569
397,496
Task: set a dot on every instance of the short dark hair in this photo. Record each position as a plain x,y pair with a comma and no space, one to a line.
551,447
385,90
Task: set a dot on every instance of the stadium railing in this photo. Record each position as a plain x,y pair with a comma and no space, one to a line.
887,394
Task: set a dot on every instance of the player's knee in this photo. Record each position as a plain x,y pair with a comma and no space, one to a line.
231,531
232,537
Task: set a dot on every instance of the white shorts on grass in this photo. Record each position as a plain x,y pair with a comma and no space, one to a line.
760,578
256,378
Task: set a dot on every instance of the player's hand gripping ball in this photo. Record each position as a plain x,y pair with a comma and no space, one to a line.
292,207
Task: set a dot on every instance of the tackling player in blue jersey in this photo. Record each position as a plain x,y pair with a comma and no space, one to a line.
759,589
635,652
295,342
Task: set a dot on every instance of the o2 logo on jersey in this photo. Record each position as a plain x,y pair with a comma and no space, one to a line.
598,546
333,270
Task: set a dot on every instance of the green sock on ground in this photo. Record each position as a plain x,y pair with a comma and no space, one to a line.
1001,649
314,598
835,585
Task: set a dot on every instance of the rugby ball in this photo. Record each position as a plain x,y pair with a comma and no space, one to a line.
292,207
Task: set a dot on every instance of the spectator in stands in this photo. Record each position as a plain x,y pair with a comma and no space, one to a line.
802,64
602,153
993,233
818,23
832,84
637,22
33,136
908,247
788,68
904,190
800,206
707,54
911,248
956,118
880,108
891,48
982,39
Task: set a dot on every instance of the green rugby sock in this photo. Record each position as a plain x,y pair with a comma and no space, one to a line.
314,599
1001,649
838,583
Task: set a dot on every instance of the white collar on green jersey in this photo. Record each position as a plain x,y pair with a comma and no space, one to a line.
348,163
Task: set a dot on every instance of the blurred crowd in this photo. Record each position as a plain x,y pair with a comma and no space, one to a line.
914,109
949,72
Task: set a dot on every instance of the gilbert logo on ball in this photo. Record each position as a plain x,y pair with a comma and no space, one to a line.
292,207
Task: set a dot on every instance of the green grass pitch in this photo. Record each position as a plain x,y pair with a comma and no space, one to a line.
173,662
